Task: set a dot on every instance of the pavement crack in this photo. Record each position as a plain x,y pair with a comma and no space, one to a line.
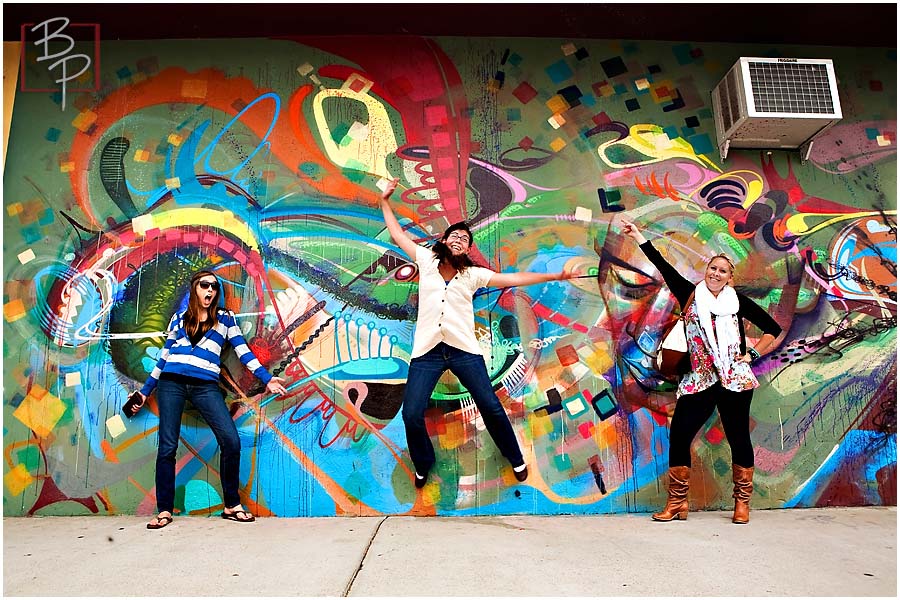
363,558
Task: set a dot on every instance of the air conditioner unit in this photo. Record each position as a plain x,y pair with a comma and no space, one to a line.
775,103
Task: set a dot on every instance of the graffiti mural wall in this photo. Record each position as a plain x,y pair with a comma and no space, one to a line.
262,159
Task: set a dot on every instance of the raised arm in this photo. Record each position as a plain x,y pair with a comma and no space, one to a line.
502,280
632,231
680,286
400,237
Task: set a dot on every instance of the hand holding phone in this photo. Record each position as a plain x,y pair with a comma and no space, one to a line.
134,404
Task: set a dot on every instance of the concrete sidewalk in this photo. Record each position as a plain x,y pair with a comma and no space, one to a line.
800,552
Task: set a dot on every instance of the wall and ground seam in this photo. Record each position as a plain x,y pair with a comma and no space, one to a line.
260,159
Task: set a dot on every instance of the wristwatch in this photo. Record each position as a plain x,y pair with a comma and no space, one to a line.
754,355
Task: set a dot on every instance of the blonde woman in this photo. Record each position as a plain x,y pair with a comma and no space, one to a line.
720,378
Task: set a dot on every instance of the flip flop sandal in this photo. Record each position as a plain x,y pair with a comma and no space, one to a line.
234,516
160,522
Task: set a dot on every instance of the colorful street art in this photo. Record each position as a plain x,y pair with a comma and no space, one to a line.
262,160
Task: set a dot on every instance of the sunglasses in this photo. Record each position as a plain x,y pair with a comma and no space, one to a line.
205,285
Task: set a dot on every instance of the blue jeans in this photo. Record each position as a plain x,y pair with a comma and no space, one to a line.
209,401
424,372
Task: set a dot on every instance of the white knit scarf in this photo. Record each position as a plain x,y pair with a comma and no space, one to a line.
726,333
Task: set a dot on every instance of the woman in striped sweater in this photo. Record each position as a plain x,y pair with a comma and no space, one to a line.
189,367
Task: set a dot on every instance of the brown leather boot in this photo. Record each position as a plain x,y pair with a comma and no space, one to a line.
677,502
743,489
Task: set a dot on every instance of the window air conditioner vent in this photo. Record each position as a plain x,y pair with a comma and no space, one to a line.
775,103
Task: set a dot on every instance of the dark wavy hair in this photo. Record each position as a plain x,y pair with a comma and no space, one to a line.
192,323
460,262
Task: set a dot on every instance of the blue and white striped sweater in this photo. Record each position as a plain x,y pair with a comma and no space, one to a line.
179,357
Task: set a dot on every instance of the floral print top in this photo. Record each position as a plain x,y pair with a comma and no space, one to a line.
737,376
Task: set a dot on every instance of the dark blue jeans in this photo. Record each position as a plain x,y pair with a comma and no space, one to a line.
424,373
209,401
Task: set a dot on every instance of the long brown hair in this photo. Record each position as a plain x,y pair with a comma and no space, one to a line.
192,323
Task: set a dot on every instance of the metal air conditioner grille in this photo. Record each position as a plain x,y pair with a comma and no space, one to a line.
731,105
790,88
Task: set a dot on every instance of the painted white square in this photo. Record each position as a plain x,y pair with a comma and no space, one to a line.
583,214
26,257
115,425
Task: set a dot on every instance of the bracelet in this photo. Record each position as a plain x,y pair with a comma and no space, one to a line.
754,354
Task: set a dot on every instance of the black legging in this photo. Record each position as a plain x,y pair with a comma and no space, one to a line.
693,410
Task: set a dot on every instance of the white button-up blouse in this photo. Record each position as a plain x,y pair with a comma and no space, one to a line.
445,309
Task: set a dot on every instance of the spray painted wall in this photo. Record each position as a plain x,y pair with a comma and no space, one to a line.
260,159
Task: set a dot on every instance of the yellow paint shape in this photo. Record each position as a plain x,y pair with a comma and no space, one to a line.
73,379
431,493
558,144
569,49
372,152
305,69
598,361
173,183
66,167
84,120
226,220
557,104
604,435
454,437
882,141
641,138
14,310
12,54
174,139
14,209
539,426
802,224
754,190
17,479
40,411
141,155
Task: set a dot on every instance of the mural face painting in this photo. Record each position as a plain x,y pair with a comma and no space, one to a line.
261,160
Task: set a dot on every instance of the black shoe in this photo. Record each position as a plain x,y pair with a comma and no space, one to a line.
421,480
521,475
